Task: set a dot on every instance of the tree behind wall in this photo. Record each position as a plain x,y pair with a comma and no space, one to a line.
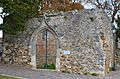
16,13
59,5
118,27
111,7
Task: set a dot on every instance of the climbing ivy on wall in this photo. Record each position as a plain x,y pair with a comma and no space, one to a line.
15,14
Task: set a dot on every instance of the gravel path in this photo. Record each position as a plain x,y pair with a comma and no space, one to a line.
27,73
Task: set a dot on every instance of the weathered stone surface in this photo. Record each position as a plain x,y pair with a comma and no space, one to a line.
86,35
18,54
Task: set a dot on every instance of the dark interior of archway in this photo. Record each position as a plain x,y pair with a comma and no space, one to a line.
46,50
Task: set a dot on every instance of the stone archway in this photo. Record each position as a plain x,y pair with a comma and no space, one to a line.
36,53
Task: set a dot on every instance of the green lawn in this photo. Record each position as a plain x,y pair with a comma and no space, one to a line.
6,77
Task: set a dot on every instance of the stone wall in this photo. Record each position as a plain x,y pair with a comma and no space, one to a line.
16,47
15,53
84,41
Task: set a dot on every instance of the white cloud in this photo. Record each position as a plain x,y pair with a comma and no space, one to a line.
88,6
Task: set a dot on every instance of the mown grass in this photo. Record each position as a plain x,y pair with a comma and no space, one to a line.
6,77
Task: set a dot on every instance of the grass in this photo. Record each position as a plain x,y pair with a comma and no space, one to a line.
111,68
94,74
6,77
49,66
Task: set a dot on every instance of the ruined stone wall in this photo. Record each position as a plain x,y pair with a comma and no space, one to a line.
85,41
16,47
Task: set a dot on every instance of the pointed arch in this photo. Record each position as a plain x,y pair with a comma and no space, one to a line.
33,48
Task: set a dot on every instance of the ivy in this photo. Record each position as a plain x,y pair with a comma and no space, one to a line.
16,13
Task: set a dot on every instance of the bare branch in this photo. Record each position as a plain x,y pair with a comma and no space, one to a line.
112,2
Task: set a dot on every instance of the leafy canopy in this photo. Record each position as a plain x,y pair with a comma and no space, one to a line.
16,13
118,29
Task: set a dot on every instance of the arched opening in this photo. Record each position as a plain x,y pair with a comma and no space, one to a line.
46,50
46,39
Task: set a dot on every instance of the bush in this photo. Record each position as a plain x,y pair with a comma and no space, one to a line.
94,74
46,66
111,69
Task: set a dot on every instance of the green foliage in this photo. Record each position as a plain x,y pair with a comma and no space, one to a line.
118,32
112,69
6,77
118,29
16,13
49,66
118,21
86,73
94,74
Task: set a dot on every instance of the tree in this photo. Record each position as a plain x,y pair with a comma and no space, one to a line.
111,7
118,29
15,14
59,5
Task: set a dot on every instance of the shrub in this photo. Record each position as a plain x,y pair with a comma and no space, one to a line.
94,74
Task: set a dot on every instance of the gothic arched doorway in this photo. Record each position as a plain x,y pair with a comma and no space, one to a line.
46,50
